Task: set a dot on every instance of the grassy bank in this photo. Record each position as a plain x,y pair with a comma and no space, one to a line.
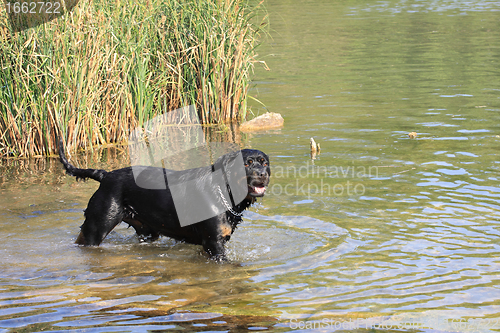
107,67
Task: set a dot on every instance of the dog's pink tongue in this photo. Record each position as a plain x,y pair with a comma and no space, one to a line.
259,190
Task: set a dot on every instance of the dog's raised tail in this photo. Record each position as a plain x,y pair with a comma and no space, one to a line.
71,170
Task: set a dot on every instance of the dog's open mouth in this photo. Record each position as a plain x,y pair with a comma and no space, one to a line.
257,190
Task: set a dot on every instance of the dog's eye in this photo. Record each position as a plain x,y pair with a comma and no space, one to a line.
249,162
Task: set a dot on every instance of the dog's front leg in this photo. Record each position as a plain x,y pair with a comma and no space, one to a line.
214,246
213,238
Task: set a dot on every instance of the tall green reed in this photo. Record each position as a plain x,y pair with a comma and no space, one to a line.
98,72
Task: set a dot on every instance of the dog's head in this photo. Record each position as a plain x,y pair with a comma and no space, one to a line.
258,171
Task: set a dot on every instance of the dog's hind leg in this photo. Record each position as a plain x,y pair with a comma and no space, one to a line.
101,216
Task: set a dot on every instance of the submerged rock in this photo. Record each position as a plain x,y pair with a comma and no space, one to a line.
266,121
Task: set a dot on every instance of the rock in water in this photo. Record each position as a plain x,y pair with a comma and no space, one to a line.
412,135
266,121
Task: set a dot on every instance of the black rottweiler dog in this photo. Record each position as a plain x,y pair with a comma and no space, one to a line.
152,212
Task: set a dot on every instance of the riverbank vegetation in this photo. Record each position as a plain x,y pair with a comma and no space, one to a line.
105,68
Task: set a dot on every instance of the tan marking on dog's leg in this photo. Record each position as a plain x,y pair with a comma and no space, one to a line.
226,230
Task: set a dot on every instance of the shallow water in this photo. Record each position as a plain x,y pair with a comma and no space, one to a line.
379,231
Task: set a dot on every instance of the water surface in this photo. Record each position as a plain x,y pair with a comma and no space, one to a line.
379,230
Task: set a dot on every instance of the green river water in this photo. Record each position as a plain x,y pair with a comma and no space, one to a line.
379,232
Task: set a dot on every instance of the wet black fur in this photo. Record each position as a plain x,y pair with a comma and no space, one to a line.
152,212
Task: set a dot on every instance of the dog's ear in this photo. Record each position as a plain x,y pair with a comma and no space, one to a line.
232,166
